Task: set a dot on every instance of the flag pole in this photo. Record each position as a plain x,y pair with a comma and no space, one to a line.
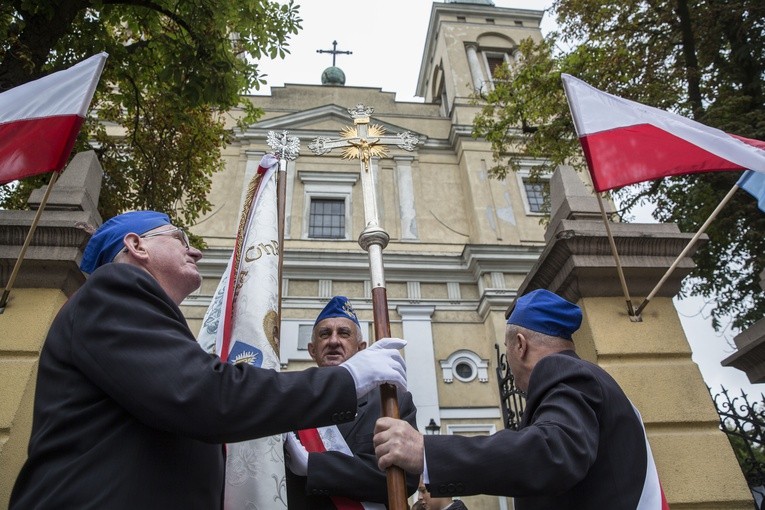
285,148
687,248
27,241
619,270
579,130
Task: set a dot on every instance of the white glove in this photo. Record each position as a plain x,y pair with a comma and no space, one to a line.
378,364
297,455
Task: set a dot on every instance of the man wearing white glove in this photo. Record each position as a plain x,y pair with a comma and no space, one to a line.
332,464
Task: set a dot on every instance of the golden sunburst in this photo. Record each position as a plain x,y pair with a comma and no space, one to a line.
364,148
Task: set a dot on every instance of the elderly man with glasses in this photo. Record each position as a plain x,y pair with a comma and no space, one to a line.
130,412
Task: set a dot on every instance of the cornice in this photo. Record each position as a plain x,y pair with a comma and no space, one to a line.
466,267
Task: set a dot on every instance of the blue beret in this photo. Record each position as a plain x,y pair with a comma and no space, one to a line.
106,242
545,312
338,306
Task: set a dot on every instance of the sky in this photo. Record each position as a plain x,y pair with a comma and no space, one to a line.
387,39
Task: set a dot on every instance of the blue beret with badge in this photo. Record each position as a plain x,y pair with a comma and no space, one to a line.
338,306
546,312
106,242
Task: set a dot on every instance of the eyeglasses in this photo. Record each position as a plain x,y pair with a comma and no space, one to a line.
176,232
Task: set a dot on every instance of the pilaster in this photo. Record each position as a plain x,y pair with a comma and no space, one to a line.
420,369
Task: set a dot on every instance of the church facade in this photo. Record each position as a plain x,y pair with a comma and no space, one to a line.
460,242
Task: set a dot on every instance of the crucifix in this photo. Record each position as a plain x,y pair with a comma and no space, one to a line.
363,142
334,51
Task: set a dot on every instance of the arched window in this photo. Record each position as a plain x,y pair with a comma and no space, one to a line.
465,366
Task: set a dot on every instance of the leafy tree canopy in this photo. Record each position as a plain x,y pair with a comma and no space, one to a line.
704,59
175,68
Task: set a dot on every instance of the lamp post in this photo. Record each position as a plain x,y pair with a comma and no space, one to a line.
432,428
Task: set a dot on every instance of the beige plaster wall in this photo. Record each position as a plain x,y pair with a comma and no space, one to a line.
651,360
24,324
453,332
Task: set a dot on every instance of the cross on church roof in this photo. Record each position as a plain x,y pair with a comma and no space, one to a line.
334,51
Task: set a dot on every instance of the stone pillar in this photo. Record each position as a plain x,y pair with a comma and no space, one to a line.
651,360
48,275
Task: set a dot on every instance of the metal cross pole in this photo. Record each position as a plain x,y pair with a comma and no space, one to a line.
285,148
335,52
362,141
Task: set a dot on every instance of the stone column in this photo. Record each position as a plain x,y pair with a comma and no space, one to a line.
49,274
475,67
651,360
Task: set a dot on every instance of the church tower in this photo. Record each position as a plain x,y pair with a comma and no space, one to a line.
466,41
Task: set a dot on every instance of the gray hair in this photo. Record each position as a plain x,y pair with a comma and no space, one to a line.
537,337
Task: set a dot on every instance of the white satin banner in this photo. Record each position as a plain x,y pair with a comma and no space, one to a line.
255,477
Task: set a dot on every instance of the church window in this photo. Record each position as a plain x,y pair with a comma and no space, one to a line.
534,184
493,61
535,194
304,336
464,371
327,218
327,204
465,366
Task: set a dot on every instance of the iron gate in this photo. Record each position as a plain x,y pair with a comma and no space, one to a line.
744,423
512,400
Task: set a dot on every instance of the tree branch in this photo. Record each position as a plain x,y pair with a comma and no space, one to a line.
158,8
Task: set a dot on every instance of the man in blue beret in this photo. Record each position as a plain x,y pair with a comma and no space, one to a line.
580,445
339,461
130,412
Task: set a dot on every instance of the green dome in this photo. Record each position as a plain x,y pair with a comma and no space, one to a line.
333,76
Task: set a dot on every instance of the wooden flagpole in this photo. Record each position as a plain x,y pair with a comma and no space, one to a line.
285,148
27,241
619,270
687,248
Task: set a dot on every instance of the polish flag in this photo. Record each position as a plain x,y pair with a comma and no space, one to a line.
40,120
626,142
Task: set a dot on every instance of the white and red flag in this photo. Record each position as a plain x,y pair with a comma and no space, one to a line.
240,326
626,142
40,120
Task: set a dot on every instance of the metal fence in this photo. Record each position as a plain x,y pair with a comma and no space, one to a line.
744,423
512,400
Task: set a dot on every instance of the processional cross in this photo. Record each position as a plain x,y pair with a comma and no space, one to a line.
363,142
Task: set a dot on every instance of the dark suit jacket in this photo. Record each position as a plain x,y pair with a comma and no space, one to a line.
130,411
357,477
581,446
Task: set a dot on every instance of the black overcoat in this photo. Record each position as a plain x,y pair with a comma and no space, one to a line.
130,412
581,446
